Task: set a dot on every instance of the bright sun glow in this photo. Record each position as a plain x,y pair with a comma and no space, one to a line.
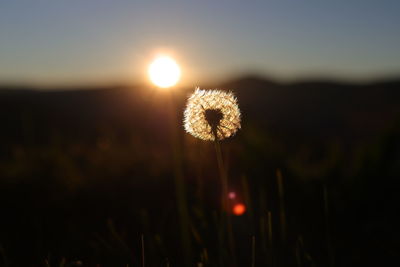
164,72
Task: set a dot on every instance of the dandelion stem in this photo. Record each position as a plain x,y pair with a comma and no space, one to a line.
223,176
225,216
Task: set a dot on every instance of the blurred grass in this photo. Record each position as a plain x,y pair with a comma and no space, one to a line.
90,194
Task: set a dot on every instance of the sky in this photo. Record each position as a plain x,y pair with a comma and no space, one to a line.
113,41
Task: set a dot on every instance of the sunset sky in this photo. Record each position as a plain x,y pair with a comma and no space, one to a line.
113,41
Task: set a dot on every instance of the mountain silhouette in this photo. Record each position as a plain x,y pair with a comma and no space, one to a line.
308,109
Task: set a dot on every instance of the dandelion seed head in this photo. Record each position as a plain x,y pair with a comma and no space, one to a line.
212,114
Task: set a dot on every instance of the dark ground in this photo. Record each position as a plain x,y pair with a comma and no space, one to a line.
85,173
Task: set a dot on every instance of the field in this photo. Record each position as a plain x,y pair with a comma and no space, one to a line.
108,177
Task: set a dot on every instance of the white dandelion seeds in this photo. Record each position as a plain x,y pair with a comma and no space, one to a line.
212,114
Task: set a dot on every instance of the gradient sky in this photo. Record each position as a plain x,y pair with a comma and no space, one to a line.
75,41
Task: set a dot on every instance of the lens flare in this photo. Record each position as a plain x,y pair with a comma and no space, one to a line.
239,209
164,72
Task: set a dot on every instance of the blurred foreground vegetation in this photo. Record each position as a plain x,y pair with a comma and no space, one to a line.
85,174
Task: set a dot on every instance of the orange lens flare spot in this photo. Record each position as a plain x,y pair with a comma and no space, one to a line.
239,209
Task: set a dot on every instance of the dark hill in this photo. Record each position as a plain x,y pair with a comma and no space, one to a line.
84,172
309,109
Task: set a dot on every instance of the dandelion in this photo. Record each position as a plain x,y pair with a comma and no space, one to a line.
212,114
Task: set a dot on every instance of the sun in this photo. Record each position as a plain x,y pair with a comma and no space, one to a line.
164,72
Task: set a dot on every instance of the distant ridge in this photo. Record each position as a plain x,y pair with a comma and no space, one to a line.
246,80
314,109
254,80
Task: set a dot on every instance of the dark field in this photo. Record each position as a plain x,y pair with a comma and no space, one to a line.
85,175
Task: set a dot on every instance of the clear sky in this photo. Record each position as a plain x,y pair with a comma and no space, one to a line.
84,41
